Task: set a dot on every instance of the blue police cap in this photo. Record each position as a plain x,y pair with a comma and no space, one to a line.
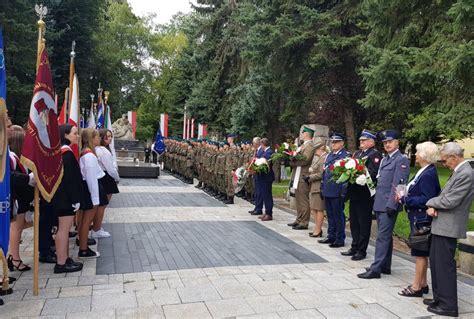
232,135
336,136
389,135
366,134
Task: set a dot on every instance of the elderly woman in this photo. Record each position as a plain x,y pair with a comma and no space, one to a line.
422,187
316,203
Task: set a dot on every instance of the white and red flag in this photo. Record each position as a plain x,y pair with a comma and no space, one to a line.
41,151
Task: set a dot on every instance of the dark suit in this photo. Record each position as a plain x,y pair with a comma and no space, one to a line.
361,202
258,197
264,184
393,169
334,195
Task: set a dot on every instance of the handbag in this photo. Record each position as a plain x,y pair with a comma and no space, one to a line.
420,237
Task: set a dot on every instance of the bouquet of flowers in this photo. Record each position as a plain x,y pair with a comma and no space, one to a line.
353,171
286,151
259,166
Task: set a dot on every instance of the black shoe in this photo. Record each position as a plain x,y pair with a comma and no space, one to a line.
430,302
229,200
325,241
349,252
90,242
47,259
256,213
358,256
292,224
385,272
442,312
425,290
88,253
316,235
67,267
72,234
251,211
336,245
300,227
369,274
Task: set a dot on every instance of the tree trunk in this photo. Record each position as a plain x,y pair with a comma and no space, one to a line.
349,125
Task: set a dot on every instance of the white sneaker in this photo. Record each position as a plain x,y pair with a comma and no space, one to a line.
101,233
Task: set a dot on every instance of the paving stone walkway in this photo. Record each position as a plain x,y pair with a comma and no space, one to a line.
216,261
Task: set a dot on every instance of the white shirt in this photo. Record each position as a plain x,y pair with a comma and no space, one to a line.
459,165
106,162
91,173
420,171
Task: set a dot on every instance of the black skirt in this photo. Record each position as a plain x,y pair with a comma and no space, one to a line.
110,185
86,201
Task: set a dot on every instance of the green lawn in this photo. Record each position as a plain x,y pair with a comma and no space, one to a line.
402,227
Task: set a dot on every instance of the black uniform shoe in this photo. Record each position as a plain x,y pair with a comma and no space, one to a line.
325,241
385,272
67,267
256,213
358,256
300,227
292,224
251,211
336,245
442,312
349,252
430,302
369,274
47,259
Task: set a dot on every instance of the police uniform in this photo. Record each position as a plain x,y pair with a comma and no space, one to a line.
334,195
394,169
361,201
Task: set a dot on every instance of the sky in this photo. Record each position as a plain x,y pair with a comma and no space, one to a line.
164,9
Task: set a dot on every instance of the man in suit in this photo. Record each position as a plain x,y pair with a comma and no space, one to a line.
265,181
257,145
450,212
361,200
394,169
334,194
300,169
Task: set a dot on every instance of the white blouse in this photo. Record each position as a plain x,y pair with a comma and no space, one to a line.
91,173
106,162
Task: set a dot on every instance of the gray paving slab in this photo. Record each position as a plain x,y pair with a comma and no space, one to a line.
144,199
195,244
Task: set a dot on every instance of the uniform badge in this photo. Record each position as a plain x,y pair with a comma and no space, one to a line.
376,160
404,166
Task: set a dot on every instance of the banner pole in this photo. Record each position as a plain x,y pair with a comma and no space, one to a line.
36,243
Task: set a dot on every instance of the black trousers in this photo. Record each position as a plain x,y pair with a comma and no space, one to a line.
360,214
443,272
46,222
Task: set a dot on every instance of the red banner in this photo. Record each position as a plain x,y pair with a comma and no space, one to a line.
42,148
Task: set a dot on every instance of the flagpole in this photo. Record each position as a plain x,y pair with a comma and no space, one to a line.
71,78
41,11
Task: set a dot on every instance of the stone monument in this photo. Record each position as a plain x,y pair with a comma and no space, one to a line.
122,128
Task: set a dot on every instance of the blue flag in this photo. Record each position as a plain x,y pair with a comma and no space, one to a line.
4,157
160,146
100,116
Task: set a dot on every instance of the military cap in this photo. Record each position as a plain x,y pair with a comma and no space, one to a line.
308,130
366,134
232,135
334,136
389,135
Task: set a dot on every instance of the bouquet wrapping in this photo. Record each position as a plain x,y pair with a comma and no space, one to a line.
353,171
286,152
259,166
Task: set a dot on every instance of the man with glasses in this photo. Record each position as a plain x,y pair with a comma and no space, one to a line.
450,212
394,169
334,194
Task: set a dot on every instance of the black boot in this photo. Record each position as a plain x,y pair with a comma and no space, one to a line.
199,185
